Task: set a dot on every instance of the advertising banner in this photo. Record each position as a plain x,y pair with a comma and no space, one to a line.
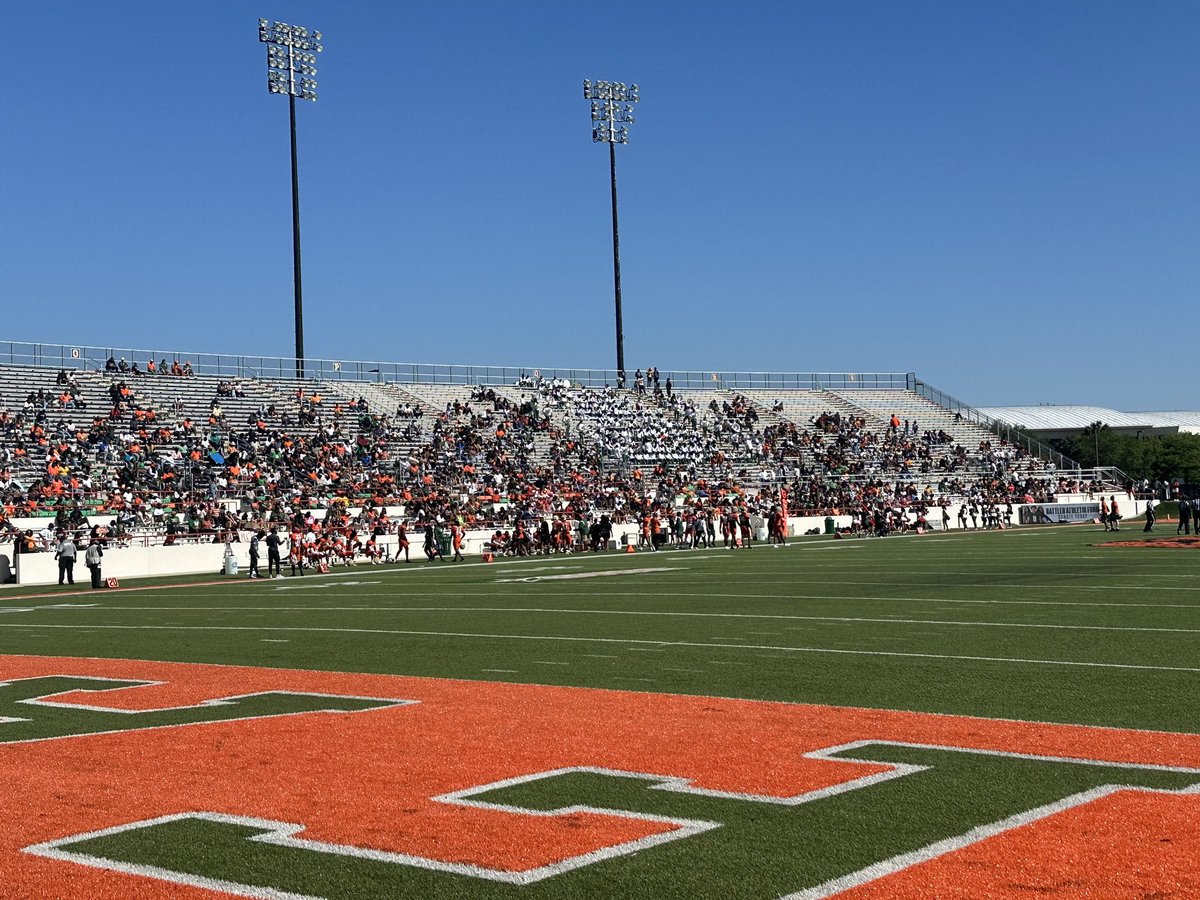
1044,513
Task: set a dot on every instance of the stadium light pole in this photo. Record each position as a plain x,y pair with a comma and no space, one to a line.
612,114
291,67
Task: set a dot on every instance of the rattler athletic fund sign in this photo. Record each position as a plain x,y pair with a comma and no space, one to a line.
1048,513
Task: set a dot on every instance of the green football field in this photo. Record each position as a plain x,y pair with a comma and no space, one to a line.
1044,625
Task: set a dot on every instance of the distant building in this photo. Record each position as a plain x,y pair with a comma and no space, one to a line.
1053,421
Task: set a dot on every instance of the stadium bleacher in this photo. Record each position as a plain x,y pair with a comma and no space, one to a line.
224,451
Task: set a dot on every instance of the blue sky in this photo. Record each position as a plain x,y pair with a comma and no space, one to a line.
1002,197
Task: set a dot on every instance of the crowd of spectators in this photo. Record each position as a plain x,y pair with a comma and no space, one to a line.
113,366
636,431
575,459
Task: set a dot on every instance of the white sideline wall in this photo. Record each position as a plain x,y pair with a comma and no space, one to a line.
127,562
187,558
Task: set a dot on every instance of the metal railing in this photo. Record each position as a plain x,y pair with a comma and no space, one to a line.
66,356
1004,430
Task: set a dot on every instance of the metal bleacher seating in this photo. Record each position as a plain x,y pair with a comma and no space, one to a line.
697,433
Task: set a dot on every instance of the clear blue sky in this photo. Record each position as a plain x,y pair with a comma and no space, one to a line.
1002,197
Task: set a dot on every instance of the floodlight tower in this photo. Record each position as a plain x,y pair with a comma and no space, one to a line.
612,114
291,67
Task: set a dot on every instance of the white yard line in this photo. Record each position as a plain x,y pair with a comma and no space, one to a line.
902,578
574,576
894,618
886,599
625,641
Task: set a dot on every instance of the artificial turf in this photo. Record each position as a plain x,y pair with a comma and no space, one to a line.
1044,624
757,850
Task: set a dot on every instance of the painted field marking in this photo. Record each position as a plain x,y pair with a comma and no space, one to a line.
518,563
327,584
1135,587
120,684
600,640
888,599
283,834
620,560
25,609
402,570
505,671
913,579
938,849
1002,569
896,618
575,575
65,694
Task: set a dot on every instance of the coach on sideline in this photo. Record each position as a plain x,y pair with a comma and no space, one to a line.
92,558
65,553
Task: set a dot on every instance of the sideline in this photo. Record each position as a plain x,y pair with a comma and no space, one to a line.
339,572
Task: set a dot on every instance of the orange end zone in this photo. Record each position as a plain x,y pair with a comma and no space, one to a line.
1128,846
370,778
1175,543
